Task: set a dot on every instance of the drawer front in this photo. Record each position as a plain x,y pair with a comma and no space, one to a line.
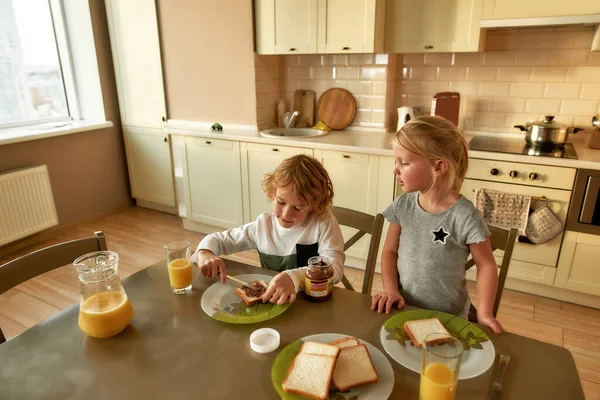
545,176
286,151
344,155
209,142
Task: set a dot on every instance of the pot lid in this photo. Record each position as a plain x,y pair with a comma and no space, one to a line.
548,122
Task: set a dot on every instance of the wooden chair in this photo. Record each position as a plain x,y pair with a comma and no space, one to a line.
500,239
365,223
33,264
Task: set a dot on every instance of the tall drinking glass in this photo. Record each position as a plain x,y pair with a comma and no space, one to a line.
180,266
440,367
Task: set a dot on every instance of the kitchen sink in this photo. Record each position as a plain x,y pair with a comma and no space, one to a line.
292,133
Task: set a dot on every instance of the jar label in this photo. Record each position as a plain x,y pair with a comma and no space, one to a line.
318,288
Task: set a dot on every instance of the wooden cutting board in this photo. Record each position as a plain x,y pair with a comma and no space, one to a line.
336,108
304,103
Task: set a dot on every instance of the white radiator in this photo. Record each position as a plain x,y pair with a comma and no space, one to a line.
26,203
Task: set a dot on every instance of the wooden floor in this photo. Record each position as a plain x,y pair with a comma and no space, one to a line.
138,235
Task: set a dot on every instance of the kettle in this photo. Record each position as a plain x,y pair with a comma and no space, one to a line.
405,114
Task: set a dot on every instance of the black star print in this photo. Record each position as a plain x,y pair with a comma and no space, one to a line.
440,235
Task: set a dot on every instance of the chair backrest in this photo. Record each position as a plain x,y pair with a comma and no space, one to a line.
40,261
501,239
365,224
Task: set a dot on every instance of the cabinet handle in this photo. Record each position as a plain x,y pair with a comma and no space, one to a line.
275,149
513,174
165,139
429,47
494,171
345,48
292,49
345,156
164,119
208,142
533,176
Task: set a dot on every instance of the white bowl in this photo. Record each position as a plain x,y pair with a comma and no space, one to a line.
264,340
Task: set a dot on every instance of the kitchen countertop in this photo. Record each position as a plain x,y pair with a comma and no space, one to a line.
380,143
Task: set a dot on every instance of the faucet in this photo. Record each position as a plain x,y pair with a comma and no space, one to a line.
289,119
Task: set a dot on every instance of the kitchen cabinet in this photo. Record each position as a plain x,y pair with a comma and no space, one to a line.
257,160
578,267
422,26
505,9
214,179
149,165
285,26
355,184
350,26
319,26
136,55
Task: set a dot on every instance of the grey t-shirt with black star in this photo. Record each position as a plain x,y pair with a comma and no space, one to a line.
433,252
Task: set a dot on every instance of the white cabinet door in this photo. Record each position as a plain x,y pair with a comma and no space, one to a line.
257,161
504,9
355,180
385,195
149,164
286,26
136,56
350,26
451,26
578,267
215,182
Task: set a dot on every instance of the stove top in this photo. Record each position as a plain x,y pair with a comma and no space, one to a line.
520,146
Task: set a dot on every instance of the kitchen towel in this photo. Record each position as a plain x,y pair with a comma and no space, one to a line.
504,210
543,225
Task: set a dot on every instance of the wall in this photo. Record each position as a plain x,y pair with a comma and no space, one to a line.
88,170
522,75
208,60
268,90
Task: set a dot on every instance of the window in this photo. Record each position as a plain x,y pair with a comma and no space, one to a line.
32,88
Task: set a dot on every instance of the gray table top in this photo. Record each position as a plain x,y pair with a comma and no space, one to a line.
173,349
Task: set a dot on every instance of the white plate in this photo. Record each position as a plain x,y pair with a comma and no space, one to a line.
221,303
474,363
374,391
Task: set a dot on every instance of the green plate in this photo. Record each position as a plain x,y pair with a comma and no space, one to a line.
374,391
221,303
479,352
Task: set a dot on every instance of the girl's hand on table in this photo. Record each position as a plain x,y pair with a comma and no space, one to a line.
488,319
211,266
385,301
280,290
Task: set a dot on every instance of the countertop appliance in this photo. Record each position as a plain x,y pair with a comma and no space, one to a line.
520,146
584,215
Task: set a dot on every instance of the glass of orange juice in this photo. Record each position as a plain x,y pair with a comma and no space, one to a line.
440,367
180,266
104,308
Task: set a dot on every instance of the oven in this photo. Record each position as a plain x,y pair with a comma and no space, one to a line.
584,215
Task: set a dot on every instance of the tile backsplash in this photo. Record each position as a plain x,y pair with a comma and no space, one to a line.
522,75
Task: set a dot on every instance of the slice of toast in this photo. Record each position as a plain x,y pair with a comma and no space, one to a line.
354,367
310,375
418,330
322,349
251,297
346,342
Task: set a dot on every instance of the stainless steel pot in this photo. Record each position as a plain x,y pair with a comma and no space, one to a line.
547,132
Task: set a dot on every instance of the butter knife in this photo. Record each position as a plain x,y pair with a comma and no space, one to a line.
241,282
496,390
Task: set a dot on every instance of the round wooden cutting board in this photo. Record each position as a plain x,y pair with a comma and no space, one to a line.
336,108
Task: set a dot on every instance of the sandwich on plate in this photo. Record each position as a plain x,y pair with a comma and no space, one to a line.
418,330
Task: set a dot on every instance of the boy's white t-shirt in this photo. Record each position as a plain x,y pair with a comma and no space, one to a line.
283,249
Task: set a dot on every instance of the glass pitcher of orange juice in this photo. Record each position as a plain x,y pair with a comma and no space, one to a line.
104,309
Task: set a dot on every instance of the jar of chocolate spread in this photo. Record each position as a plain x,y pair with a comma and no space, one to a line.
318,281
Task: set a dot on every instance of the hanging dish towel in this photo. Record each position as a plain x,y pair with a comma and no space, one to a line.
543,225
504,210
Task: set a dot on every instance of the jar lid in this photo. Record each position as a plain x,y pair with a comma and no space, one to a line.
264,340
319,262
